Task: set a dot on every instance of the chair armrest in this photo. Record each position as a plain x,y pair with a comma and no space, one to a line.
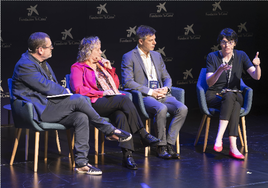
178,93
138,102
247,94
22,113
127,94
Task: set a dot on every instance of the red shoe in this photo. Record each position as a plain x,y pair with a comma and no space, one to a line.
218,148
236,156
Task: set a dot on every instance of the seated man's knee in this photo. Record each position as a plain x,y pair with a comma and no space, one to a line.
81,119
79,98
162,110
184,110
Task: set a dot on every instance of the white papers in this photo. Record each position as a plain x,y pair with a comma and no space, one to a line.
60,95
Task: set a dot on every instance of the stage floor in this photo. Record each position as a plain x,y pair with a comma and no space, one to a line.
194,169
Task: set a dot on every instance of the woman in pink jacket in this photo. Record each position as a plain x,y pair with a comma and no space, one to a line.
94,77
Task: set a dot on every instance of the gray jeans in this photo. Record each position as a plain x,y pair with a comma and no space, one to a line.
158,109
75,111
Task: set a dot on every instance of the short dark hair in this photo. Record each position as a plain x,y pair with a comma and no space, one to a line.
229,34
36,40
143,31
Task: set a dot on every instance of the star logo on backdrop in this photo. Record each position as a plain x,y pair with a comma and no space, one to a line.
160,7
216,10
63,82
66,33
32,9
243,31
187,73
241,27
102,8
186,36
103,54
99,16
215,48
161,51
189,28
33,15
1,87
165,59
165,14
131,31
216,5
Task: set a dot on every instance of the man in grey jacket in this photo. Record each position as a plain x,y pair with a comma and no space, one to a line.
144,70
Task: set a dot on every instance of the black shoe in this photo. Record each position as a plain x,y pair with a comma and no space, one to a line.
129,162
147,139
122,135
171,151
162,152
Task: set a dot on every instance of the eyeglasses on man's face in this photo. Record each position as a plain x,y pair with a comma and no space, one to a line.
51,47
224,42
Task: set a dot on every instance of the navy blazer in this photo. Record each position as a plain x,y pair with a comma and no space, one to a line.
30,83
134,75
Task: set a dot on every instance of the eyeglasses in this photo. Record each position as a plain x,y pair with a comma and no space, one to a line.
47,47
224,42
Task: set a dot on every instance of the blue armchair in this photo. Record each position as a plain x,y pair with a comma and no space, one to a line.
96,131
22,112
201,88
178,93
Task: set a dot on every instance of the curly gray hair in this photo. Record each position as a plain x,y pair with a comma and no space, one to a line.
86,46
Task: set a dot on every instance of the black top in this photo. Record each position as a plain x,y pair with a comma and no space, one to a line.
241,62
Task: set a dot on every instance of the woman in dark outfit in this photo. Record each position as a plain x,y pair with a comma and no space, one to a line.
224,71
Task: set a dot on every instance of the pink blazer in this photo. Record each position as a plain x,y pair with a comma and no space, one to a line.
83,81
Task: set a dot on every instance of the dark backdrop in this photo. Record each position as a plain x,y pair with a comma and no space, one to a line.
186,33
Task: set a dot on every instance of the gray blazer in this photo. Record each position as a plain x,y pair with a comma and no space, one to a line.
30,83
134,75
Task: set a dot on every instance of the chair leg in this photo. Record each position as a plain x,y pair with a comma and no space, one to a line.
58,141
26,143
72,144
102,143
200,128
96,135
16,143
36,150
240,136
147,128
178,143
45,148
244,133
206,134
68,133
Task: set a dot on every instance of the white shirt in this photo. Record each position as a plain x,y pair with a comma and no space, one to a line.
149,66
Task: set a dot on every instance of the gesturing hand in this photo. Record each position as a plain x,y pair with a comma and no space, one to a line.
256,61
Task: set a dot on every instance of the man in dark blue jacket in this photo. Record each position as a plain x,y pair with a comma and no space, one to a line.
34,80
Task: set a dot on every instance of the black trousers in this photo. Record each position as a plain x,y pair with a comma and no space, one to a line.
229,105
123,114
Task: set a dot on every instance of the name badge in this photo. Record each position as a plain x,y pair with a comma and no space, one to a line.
153,84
